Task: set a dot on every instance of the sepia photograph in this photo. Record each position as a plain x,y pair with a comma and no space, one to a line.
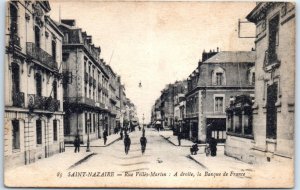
149,94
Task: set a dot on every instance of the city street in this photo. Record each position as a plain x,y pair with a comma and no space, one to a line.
162,161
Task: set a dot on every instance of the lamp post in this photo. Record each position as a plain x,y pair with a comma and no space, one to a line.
88,139
143,121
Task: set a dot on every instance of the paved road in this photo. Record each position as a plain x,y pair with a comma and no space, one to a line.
160,156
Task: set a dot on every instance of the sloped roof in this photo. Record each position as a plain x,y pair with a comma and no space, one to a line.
233,57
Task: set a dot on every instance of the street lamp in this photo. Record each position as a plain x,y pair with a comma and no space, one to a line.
143,120
88,140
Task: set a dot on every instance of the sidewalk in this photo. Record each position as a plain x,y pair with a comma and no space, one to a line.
168,135
100,142
59,162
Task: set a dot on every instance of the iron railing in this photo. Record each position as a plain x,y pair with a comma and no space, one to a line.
40,55
18,99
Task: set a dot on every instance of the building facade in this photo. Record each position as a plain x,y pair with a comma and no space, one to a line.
86,86
33,91
273,109
210,87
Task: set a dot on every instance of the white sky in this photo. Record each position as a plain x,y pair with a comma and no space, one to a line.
156,42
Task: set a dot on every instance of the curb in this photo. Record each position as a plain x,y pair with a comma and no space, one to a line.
167,138
190,157
69,145
81,160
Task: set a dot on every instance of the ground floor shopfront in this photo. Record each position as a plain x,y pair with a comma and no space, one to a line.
30,136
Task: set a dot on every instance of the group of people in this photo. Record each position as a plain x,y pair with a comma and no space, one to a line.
210,149
127,140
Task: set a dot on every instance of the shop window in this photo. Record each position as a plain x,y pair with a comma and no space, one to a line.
54,130
38,132
15,134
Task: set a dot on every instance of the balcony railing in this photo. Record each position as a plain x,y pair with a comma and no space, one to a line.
43,103
271,58
18,99
52,104
86,77
91,80
14,41
40,55
36,102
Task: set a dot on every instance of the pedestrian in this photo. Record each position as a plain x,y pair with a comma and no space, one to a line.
139,128
105,136
121,134
179,139
77,144
194,149
143,130
127,143
213,146
143,141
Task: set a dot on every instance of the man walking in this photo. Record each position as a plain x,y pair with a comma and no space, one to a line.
143,141
105,136
77,144
127,143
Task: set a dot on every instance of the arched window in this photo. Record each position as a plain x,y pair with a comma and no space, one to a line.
38,84
54,86
218,76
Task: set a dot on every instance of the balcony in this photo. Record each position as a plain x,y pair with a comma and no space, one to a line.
90,80
271,60
86,77
18,99
40,55
14,42
36,102
80,100
94,83
51,104
105,91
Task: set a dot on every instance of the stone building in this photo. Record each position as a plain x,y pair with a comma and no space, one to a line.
86,85
210,87
33,92
273,109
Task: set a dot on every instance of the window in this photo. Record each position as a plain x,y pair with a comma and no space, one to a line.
253,79
271,115
66,38
15,78
219,77
86,119
273,39
219,104
54,86
15,134
38,132
13,19
53,50
55,130
37,37
38,84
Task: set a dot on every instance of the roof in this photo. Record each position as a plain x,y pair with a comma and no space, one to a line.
233,57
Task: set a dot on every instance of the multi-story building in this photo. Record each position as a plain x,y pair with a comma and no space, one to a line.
167,107
86,84
273,109
210,87
33,91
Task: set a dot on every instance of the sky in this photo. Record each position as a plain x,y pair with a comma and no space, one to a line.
157,43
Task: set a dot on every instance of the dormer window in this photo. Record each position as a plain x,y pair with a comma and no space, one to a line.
218,76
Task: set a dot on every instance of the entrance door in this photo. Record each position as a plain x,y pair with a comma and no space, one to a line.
271,111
